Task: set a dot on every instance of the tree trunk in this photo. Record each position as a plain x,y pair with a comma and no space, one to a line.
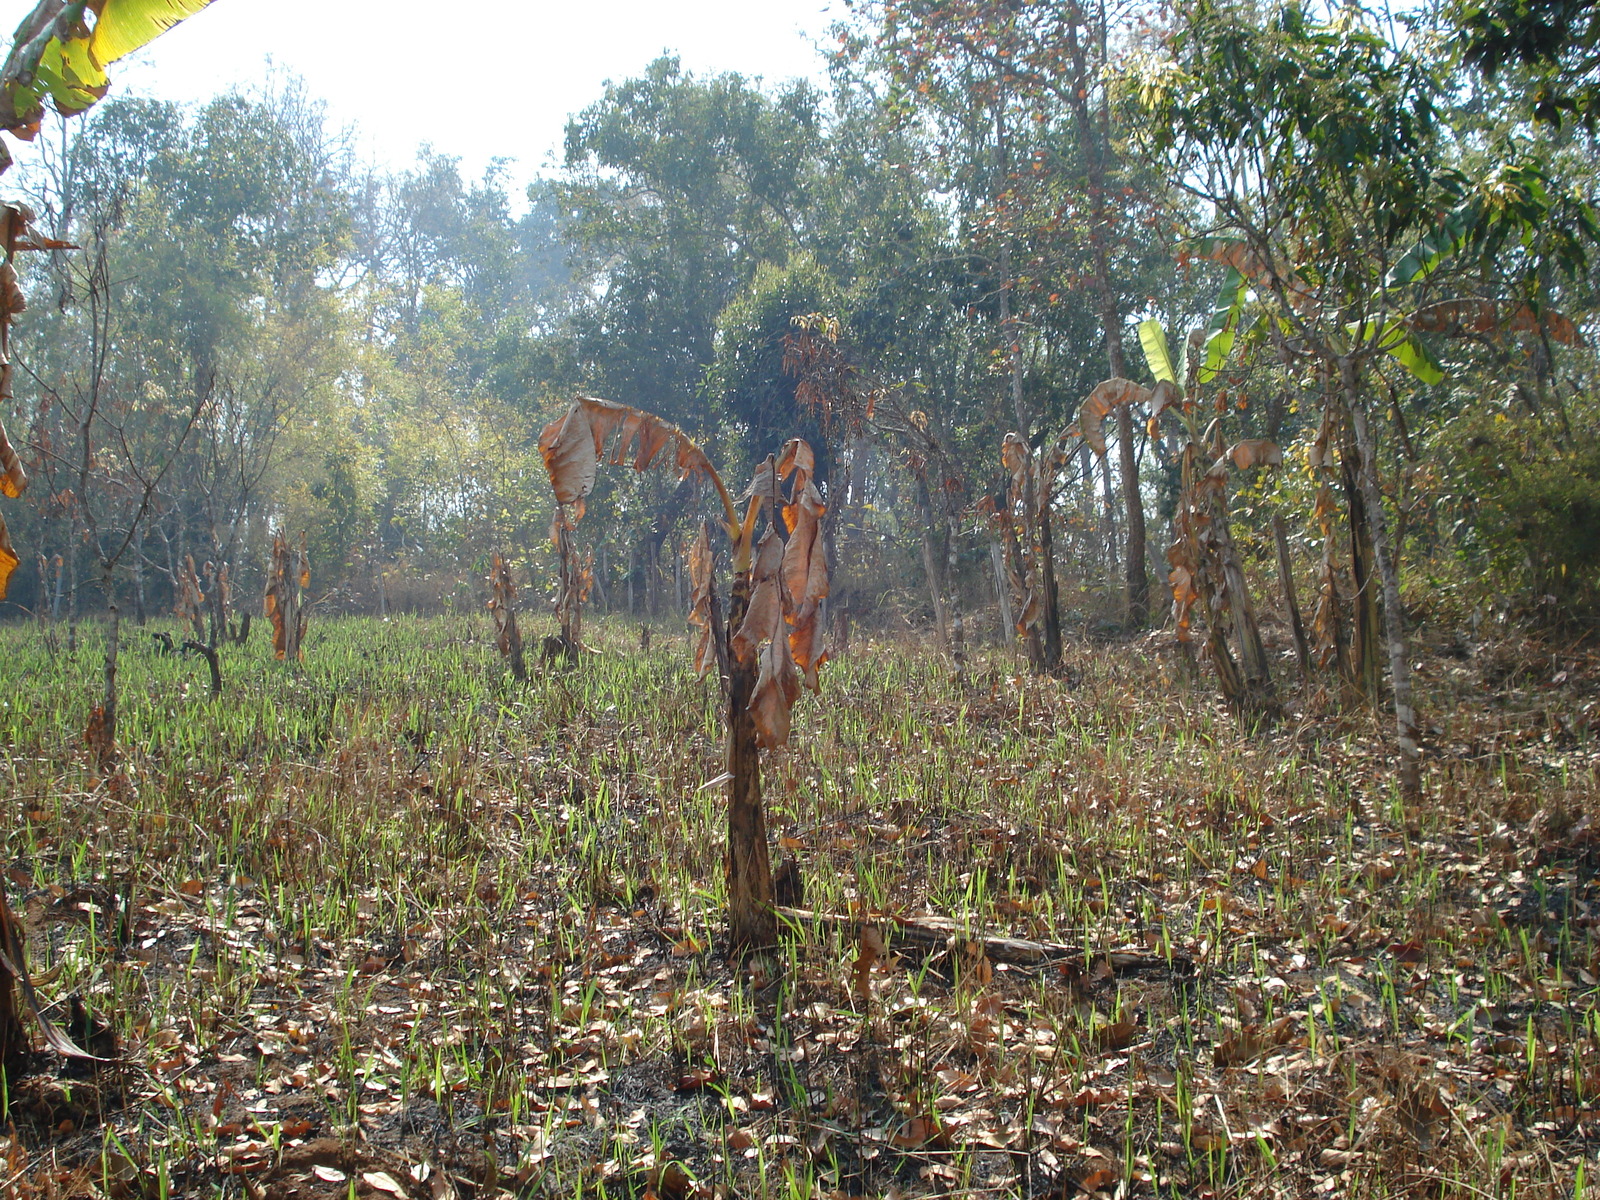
1019,587
1405,714
138,577
1365,677
1137,579
597,581
1291,602
209,653
930,564
1048,657
1002,591
930,567
1108,511
652,584
752,923
569,609
952,603
1252,653
1255,673
72,596
1089,510
632,568
1095,150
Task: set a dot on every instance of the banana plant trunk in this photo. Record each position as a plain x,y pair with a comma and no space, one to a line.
13,1037
1259,692
752,921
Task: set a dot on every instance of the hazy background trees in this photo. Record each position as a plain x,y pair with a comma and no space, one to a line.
261,332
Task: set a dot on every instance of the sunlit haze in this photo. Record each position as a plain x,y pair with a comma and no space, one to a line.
494,79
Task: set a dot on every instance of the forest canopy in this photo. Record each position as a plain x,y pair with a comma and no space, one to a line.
986,205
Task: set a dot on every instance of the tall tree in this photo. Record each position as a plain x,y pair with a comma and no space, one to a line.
1315,145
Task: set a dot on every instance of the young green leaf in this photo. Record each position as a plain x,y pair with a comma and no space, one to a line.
1224,326
1424,258
1402,345
1153,339
128,25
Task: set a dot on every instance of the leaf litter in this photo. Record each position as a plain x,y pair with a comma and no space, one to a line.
1283,983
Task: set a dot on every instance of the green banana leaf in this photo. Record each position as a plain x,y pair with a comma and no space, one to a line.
1153,339
1403,346
69,74
72,73
126,25
1424,258
1224,326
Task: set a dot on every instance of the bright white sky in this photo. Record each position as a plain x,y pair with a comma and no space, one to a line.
476,80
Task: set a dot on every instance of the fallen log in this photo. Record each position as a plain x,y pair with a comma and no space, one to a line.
930,932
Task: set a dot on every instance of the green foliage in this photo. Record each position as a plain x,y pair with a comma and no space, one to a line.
1528,499
747,380
1555,42
1224,326
681,188
58,54
1157,354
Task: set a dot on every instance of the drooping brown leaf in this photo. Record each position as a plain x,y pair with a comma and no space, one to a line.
788,582
190,602
763,486
1259,270
1030,613
805,578
289,573
797,459
13,479
567,446
1015,455
806,645
572,444
777,688
763,617
1107,397
1255,452
1462,318
1163,396
8,559
503,607
12,301
777,685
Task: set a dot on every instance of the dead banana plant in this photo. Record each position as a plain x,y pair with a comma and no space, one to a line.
191,600
1205,566
503,607
287,579
769,644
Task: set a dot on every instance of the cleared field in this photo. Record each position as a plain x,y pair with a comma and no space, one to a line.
387,922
